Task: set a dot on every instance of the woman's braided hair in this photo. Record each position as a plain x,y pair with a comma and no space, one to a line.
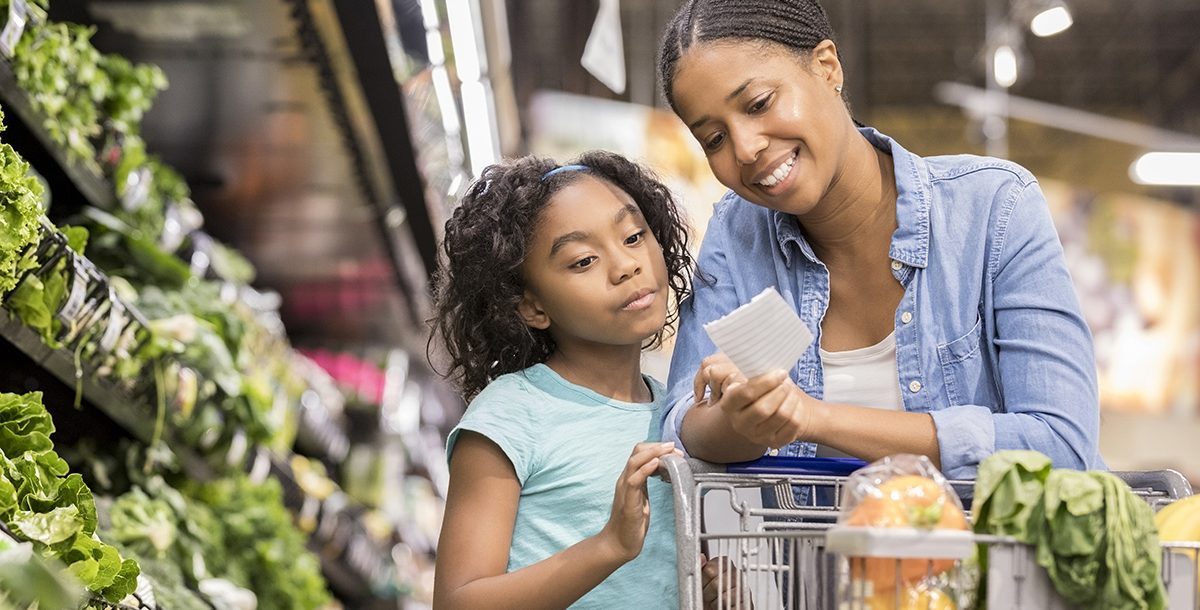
478,288
799,25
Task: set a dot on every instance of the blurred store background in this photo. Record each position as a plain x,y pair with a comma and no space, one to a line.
282,185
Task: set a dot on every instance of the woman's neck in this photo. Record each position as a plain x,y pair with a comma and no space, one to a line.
615,372
859,212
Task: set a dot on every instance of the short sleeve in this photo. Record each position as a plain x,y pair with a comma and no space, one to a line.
501,413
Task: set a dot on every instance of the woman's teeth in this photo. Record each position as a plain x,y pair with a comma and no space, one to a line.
780,172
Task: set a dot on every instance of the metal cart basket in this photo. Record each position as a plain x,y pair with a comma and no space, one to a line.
779,557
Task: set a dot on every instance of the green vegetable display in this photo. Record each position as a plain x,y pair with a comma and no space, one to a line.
38,297
266,552
1095,538
43,503
19,211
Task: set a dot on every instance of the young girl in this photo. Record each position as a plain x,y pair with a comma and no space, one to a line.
556,279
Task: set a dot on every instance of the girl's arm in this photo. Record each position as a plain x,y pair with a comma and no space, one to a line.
481,508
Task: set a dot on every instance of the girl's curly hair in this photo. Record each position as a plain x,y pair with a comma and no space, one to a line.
479,286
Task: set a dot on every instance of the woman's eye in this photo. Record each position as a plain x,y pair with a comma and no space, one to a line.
759,104
583,263
714,142
635,238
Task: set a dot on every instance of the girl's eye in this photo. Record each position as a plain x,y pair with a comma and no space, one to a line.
759,104
583,263
714,141
635,238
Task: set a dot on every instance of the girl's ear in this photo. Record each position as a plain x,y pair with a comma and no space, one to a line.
531,312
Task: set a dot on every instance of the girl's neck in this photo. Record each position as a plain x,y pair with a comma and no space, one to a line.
615,372
860,210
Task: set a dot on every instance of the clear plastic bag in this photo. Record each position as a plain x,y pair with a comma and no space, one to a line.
903,505
901,491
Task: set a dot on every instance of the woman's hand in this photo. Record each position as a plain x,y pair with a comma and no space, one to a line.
717,373
630,518
768,409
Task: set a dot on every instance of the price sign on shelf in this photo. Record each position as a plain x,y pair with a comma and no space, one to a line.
17,12
117,319
78,293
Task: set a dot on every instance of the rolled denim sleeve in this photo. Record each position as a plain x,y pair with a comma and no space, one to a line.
1045,358
713,295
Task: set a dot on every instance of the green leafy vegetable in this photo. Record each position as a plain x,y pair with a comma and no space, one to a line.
20,194
41,501
1094,537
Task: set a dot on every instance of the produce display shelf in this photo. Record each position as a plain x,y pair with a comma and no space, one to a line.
21,116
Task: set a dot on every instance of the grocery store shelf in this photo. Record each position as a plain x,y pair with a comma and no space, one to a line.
134,414
26,134
368,104
356,562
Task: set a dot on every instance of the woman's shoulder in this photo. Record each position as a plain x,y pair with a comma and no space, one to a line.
976,169
732,213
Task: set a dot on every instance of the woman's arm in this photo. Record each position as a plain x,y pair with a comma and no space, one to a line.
481,508
1046,364
770,411
704,432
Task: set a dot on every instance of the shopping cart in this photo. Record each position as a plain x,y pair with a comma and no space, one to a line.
778,554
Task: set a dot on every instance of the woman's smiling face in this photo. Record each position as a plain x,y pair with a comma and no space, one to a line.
770,121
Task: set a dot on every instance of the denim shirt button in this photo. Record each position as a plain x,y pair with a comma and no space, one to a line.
906,317
914,386
897,265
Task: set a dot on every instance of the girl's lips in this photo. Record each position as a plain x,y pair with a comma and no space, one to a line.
640,302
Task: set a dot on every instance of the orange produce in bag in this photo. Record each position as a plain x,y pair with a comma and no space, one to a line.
902,491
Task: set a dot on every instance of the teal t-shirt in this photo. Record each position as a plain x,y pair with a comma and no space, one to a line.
568,445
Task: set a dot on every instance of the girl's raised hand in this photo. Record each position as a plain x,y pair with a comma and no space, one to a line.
626,528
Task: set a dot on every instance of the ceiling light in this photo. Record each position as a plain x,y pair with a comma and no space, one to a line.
1050,20
1167,169
1004,66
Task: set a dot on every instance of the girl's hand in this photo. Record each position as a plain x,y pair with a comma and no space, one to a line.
769,409
722,585
718,373
626,528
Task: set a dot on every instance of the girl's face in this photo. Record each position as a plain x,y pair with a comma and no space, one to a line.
594,272
771,123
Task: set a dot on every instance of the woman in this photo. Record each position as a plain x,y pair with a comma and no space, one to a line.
945,320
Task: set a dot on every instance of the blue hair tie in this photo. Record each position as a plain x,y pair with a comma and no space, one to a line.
565,168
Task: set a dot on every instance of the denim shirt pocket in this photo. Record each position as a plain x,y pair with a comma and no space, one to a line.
963,369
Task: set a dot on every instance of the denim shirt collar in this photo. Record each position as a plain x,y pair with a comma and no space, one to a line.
910,242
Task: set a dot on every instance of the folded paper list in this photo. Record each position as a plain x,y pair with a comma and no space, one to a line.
762,335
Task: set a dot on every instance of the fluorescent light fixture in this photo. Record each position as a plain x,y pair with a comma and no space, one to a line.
477,116
1004,66
445,99
1054,19
430,13
467,61
1167,169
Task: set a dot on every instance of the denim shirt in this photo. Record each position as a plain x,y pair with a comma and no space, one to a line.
990,340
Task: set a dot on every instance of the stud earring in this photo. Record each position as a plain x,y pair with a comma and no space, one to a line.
838,88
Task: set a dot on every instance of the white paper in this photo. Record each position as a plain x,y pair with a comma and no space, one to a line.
604,54
762,335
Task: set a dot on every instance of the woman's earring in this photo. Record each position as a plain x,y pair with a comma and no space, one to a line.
838,88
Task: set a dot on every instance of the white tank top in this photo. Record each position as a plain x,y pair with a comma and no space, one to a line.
866,376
